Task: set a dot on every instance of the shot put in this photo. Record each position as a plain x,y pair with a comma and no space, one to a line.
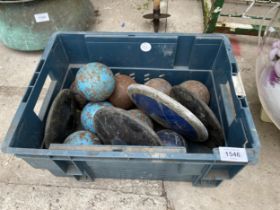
95,82
198,89
79,98
88,114
82,138
120,98
160,84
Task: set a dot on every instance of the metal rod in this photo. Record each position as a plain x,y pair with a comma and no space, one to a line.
248,8
258,2
156,4
247,16
166,13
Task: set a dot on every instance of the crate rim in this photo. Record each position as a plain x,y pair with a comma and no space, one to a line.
167,156
135,34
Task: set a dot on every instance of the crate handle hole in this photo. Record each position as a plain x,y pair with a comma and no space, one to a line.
42,95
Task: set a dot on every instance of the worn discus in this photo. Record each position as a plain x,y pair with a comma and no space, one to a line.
113,124
168,112
203,112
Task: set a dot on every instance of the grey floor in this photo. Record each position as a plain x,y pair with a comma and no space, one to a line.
23,187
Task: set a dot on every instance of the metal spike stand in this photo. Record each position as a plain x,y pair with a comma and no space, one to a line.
156,15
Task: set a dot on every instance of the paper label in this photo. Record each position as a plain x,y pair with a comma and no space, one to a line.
232,154
42,17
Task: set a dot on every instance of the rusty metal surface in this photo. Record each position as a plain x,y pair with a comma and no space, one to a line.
79,98
160,84
82,138
198,89
88,113
95,81
119,97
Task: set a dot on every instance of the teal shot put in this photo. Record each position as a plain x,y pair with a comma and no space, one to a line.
95,82
88,113
82,138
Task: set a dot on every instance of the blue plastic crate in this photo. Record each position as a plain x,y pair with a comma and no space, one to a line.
175,57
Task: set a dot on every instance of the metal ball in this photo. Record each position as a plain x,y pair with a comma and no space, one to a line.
160,84
82,138
197,89
88,113
95,82
79,98
120,98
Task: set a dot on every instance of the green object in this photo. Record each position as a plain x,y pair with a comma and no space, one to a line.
27,24
211,13
212,10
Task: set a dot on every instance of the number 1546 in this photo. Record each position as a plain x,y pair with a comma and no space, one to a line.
233,154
